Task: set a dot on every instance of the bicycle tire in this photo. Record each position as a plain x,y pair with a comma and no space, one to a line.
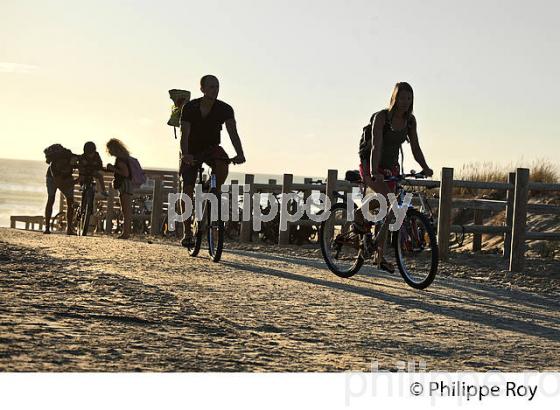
326,245
399,239
85,213
215,234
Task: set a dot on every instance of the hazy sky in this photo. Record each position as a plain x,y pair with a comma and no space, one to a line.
302,76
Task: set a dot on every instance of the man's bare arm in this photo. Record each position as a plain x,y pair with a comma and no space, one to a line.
231,127
185,132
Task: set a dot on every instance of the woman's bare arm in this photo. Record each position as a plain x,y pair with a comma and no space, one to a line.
415,147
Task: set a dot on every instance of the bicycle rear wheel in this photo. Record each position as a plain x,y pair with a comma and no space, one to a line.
340,248
416,250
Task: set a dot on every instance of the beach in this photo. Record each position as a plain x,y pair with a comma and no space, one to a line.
100,304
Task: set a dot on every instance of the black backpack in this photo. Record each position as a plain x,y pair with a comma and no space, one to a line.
60,160
365,140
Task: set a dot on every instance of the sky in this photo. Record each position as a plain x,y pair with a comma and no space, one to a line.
303,77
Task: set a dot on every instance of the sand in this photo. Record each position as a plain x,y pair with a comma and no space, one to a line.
102,304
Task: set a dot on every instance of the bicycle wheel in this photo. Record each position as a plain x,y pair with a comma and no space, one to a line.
340,249
85,212
58,222
196,229
416,250
215,234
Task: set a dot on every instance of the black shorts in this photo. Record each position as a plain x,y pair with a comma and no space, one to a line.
209,156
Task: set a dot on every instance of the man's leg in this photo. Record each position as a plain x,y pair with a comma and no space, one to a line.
188,176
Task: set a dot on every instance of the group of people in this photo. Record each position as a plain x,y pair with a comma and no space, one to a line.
201,122
62,163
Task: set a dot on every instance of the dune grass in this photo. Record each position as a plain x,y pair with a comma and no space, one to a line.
539,171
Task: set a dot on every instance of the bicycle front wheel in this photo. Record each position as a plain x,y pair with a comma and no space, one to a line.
339,246
416,250
86,210
215,235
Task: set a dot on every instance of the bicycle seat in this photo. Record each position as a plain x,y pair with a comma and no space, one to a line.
353,176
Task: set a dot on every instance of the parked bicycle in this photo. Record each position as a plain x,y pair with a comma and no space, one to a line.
413,245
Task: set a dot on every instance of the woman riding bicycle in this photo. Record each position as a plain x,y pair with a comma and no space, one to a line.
379,153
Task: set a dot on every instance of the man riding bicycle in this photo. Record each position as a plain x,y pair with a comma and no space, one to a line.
379,154
201,123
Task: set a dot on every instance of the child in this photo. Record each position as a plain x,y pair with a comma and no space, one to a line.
90,166
122,181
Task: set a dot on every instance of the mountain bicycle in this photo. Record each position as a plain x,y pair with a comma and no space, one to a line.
413,244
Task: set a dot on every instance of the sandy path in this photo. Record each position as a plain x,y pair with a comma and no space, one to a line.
99,304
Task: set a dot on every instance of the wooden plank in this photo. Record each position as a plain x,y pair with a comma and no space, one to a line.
157,207
548,236
260,187
308,187
482,185
482,229
541,186
517,257
481,204
247,225
543,209
477,237
284,236
509,215
444,217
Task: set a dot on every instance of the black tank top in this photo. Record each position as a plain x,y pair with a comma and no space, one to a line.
392,141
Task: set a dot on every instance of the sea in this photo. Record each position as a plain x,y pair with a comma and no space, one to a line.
23,190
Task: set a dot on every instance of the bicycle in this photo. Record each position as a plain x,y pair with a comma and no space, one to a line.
413,245
214,228
85,209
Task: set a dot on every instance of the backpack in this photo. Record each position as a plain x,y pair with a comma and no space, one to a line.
180,98
60,160
137,176
365,140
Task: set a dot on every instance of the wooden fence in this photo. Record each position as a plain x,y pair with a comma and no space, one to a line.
516,206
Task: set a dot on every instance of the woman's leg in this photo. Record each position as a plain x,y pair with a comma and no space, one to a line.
126,208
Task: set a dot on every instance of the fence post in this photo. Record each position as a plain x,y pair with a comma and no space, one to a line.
109,213
330,187
157,206
444,212
509,214
477,237
284,236
518,230
247,225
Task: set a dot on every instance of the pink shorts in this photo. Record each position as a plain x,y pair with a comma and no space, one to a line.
388,172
